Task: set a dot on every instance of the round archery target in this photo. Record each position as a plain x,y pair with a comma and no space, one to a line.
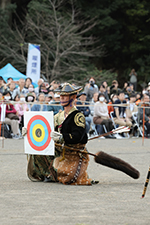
38,133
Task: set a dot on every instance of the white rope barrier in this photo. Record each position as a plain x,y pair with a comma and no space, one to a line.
58,104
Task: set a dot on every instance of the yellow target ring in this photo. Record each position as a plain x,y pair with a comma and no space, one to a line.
41,132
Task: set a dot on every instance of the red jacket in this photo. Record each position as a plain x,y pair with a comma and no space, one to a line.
9,109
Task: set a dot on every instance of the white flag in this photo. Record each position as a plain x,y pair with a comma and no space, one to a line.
34,62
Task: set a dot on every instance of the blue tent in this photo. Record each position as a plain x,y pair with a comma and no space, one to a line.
9,71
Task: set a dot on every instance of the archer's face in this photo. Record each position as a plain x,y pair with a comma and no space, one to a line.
64,99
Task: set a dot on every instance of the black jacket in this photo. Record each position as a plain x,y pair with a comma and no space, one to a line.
73,128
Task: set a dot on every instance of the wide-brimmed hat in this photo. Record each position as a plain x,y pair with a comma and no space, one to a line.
67,89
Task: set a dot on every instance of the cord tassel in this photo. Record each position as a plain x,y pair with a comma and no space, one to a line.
63,153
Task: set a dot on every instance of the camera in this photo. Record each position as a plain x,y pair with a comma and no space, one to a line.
129,89
92,83
112,86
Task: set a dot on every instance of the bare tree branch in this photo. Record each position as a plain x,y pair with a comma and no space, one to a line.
65,45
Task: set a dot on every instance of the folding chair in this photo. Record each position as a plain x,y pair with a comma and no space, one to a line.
135,118
93,130
115,126
104,128
112,118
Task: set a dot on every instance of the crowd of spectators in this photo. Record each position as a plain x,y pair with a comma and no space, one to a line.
121,104
102,105
20,96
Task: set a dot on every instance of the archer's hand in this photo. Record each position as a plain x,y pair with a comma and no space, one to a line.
24,131
56,136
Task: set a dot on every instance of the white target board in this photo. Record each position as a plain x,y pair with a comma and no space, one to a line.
38,139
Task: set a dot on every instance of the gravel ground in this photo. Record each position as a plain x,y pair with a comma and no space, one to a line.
115,200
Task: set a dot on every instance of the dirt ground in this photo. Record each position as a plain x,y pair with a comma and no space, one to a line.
115,200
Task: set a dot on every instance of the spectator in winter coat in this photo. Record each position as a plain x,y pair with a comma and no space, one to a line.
81,106
114,88
3,87
110,107
101,116
10,111
20,89
40,106
120,113
21,107
145,102
90,89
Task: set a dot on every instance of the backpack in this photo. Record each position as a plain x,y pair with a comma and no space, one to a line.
5,131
